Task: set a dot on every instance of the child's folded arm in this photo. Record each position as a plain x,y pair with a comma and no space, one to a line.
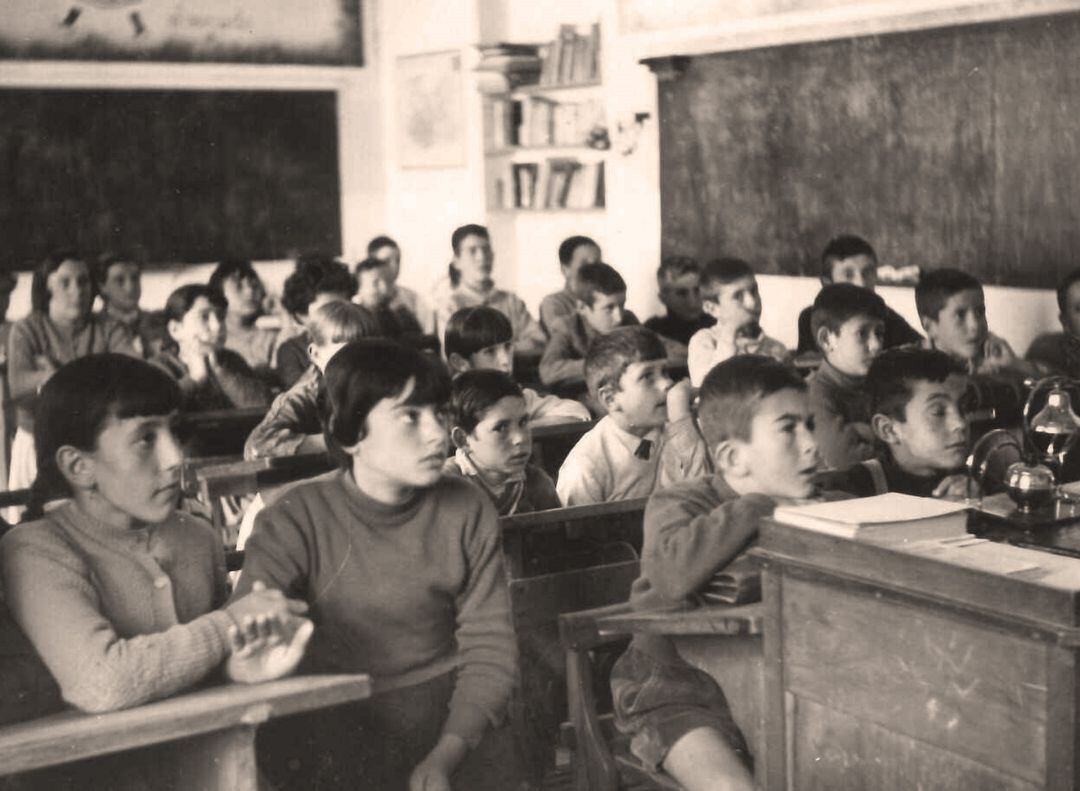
550,409
276,555
685,546
684,455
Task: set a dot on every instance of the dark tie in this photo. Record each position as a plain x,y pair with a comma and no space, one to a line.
644,449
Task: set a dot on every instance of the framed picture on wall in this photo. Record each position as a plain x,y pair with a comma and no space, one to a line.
430,111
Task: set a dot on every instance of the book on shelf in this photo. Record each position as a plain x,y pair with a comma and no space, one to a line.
524,174
885,518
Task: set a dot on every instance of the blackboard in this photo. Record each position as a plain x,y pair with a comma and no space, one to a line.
952,147
178,176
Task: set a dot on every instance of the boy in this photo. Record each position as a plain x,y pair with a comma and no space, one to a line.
489,428
756,420
374,291
239,285
648,436
851,259
574,252
482,337
679,279
600,309
730,295
385,249
1060,351
849,326
119,282
917,399
952,310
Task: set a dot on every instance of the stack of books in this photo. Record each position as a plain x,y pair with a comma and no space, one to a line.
572,58
886,518
556,183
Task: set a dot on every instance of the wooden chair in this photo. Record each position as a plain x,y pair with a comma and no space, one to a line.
602,758
552,443
560,539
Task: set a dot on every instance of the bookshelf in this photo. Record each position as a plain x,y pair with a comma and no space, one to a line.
546,142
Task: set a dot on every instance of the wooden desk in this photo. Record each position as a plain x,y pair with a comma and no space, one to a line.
726,643
218,432
889,669
201,740
551,443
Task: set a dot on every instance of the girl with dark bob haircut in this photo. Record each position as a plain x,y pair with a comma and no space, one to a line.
403,571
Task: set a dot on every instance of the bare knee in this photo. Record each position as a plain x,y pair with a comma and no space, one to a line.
701,760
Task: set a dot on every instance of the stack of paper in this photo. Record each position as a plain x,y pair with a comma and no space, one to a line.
886,518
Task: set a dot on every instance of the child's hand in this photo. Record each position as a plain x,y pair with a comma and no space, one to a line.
433,773
264,602
678,400
954,487
265,648
996,355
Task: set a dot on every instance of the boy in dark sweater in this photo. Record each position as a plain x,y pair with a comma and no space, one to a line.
679,279
574,253
851,259
849,327
402,569
756,421
1060,351
918,405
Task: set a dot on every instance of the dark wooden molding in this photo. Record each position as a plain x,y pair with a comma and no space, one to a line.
667,68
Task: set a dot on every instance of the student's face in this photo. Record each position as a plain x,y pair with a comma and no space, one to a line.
69,291
606,312
781,457
499,357
934,433
200,328
373,288
1070,318
641,401
391,256
405,444
244,295
853,348
135,467
475,260
123,286
960,328
859,270
502,440
682,296
584,254
737,303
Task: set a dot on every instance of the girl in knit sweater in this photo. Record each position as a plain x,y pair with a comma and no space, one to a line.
119,591
402,569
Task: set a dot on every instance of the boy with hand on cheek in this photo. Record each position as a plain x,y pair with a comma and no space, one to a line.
849,325
648,437
917,397
489,427
730,295
755,417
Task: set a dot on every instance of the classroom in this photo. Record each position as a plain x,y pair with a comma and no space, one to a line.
492,395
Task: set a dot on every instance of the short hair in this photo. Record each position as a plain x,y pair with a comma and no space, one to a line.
181,300
675,266
368,264
342,322
230,269
894,373
610,355
365,372
599,278
459,234
471,330
473,393
937,286
733,390
721,272
314,275
378,243
39,286
838,303
104,262
1070,280
570,245
841,247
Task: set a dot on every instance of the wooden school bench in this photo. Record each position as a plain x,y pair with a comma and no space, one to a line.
198,740
218,432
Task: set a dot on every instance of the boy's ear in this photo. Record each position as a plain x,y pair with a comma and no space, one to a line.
822,338
458,364
730,458
927,323
459,437
580,306
885,429
172,326
606,396
75,467
710,307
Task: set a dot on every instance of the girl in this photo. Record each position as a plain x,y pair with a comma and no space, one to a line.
118,590
239,286
403,571
489,426
471,285
210,376
59,329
